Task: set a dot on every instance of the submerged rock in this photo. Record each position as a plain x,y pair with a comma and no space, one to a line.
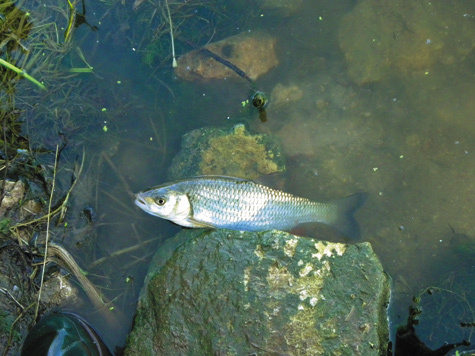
59,290
283,7
232,152
16,204
253,53
13,193
379,38
222,292
283,95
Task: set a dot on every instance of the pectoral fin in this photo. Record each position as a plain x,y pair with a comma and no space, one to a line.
199,224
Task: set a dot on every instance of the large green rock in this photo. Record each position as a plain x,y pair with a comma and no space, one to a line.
221,292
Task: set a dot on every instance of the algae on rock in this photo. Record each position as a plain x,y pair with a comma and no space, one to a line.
234,152
225,292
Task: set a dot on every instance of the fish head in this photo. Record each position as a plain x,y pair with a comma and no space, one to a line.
165,203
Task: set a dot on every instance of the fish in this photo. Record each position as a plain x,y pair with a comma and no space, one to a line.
221,202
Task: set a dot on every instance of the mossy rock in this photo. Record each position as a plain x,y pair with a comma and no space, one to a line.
222,292
230,152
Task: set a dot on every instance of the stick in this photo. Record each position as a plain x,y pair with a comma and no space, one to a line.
56,158
120,252
174,64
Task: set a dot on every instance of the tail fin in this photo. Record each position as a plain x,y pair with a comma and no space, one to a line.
344,221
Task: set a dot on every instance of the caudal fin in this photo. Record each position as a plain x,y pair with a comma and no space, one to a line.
344,220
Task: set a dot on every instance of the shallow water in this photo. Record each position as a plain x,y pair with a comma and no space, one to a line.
406,138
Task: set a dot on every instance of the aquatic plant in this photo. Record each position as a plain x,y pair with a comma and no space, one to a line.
21,72
30,48
161,23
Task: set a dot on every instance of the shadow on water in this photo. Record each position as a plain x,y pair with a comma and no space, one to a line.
405,136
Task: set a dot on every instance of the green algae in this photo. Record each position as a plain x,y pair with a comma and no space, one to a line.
230,152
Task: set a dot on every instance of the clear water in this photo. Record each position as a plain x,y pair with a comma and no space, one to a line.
407,139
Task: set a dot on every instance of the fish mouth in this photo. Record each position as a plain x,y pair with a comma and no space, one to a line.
140,201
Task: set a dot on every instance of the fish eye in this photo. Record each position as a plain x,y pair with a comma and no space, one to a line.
160,201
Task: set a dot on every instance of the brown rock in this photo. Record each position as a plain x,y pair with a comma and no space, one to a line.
14,192
252,52
30,208
282,94
58,290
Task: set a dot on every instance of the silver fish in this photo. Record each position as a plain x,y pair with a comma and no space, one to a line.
239,204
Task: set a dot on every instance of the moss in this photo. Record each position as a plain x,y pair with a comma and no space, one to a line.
238,154
233,152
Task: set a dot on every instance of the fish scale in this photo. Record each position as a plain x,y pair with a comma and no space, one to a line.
246,206
239,204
